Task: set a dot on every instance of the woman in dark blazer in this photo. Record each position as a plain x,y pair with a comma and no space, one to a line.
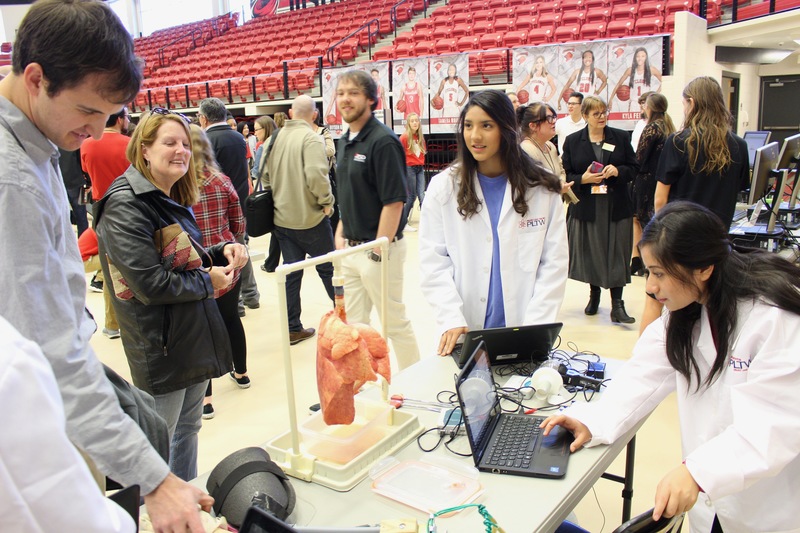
600,225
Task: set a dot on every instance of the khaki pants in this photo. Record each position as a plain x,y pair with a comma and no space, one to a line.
93,265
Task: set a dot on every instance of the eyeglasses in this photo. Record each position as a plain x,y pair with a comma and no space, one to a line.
164,111
598,114
549,118
573,103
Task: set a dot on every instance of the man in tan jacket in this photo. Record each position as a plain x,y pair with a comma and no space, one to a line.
297,171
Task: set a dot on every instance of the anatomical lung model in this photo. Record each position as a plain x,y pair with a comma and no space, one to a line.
348,355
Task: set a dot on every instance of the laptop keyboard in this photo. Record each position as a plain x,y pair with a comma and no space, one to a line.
515,441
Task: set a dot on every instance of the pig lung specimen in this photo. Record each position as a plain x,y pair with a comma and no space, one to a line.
348,355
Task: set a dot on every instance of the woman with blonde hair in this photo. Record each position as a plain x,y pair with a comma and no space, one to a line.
164,280
413,142
659,126
705,162
543,85
219,215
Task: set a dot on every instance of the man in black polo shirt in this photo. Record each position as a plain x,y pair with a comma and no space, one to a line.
371,175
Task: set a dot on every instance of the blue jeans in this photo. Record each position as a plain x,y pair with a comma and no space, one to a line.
295,245
182,410
415,182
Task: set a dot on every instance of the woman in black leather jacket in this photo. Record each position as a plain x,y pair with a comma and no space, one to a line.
164,280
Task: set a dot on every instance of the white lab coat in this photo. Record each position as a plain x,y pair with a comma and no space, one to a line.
45,485
741,436
456,257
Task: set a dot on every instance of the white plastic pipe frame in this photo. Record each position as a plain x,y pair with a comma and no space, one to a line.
334,257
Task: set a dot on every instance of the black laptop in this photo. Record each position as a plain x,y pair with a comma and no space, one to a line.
505,443
523,344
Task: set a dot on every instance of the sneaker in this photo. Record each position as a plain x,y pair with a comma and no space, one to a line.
111,333
252,305
265,269
208,411
96,285
314,409
243,382
299,336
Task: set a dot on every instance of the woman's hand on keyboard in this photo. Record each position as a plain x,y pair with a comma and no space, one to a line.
449,340
578,429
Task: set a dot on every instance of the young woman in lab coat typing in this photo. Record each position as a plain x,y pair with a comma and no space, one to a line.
728,346
492,238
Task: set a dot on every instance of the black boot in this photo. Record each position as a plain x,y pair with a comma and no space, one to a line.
637,267
594,301
618,313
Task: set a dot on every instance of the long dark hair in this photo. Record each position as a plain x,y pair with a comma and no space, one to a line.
591,69
522,170
646,65
684,237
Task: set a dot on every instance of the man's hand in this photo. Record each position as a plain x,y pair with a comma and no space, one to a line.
221,277
449,340
578,429
676,493
173,506
327,210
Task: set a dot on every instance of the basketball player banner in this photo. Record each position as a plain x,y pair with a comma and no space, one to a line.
449,91
331,115
619,71
410,82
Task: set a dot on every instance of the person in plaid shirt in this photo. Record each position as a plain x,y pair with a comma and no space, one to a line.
219,215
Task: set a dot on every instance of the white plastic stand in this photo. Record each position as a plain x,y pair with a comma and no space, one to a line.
286,449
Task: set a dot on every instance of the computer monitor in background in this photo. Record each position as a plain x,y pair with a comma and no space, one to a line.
764,170
790,154
755,140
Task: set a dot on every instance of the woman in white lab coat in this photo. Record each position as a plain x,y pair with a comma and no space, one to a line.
729,347
492,233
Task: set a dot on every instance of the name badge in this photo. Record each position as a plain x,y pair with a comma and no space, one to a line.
608,147
599,189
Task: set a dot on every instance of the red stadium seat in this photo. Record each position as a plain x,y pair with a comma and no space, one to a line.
540,36
571,5
515,38
593,30
599,14
649,26
404,50
467,43
494,62
384,54
576,17
485,15
594,4
549,7
567,32
624,12
462,18
424,48
525,22
673,6
405,37
442,32
619,28
651,9
503,25
549,20
461,30
491,40
445,46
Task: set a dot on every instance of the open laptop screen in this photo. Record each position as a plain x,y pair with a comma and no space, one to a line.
478,398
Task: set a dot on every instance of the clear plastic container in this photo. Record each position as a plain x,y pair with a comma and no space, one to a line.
429,485
342,443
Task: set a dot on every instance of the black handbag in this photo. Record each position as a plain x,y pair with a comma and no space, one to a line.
259,207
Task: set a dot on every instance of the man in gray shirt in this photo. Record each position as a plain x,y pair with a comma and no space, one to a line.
61,91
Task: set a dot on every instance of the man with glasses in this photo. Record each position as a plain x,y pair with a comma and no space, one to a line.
61,91
571,123
104,161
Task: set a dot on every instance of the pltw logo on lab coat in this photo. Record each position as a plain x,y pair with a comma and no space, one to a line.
739,365
533,224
